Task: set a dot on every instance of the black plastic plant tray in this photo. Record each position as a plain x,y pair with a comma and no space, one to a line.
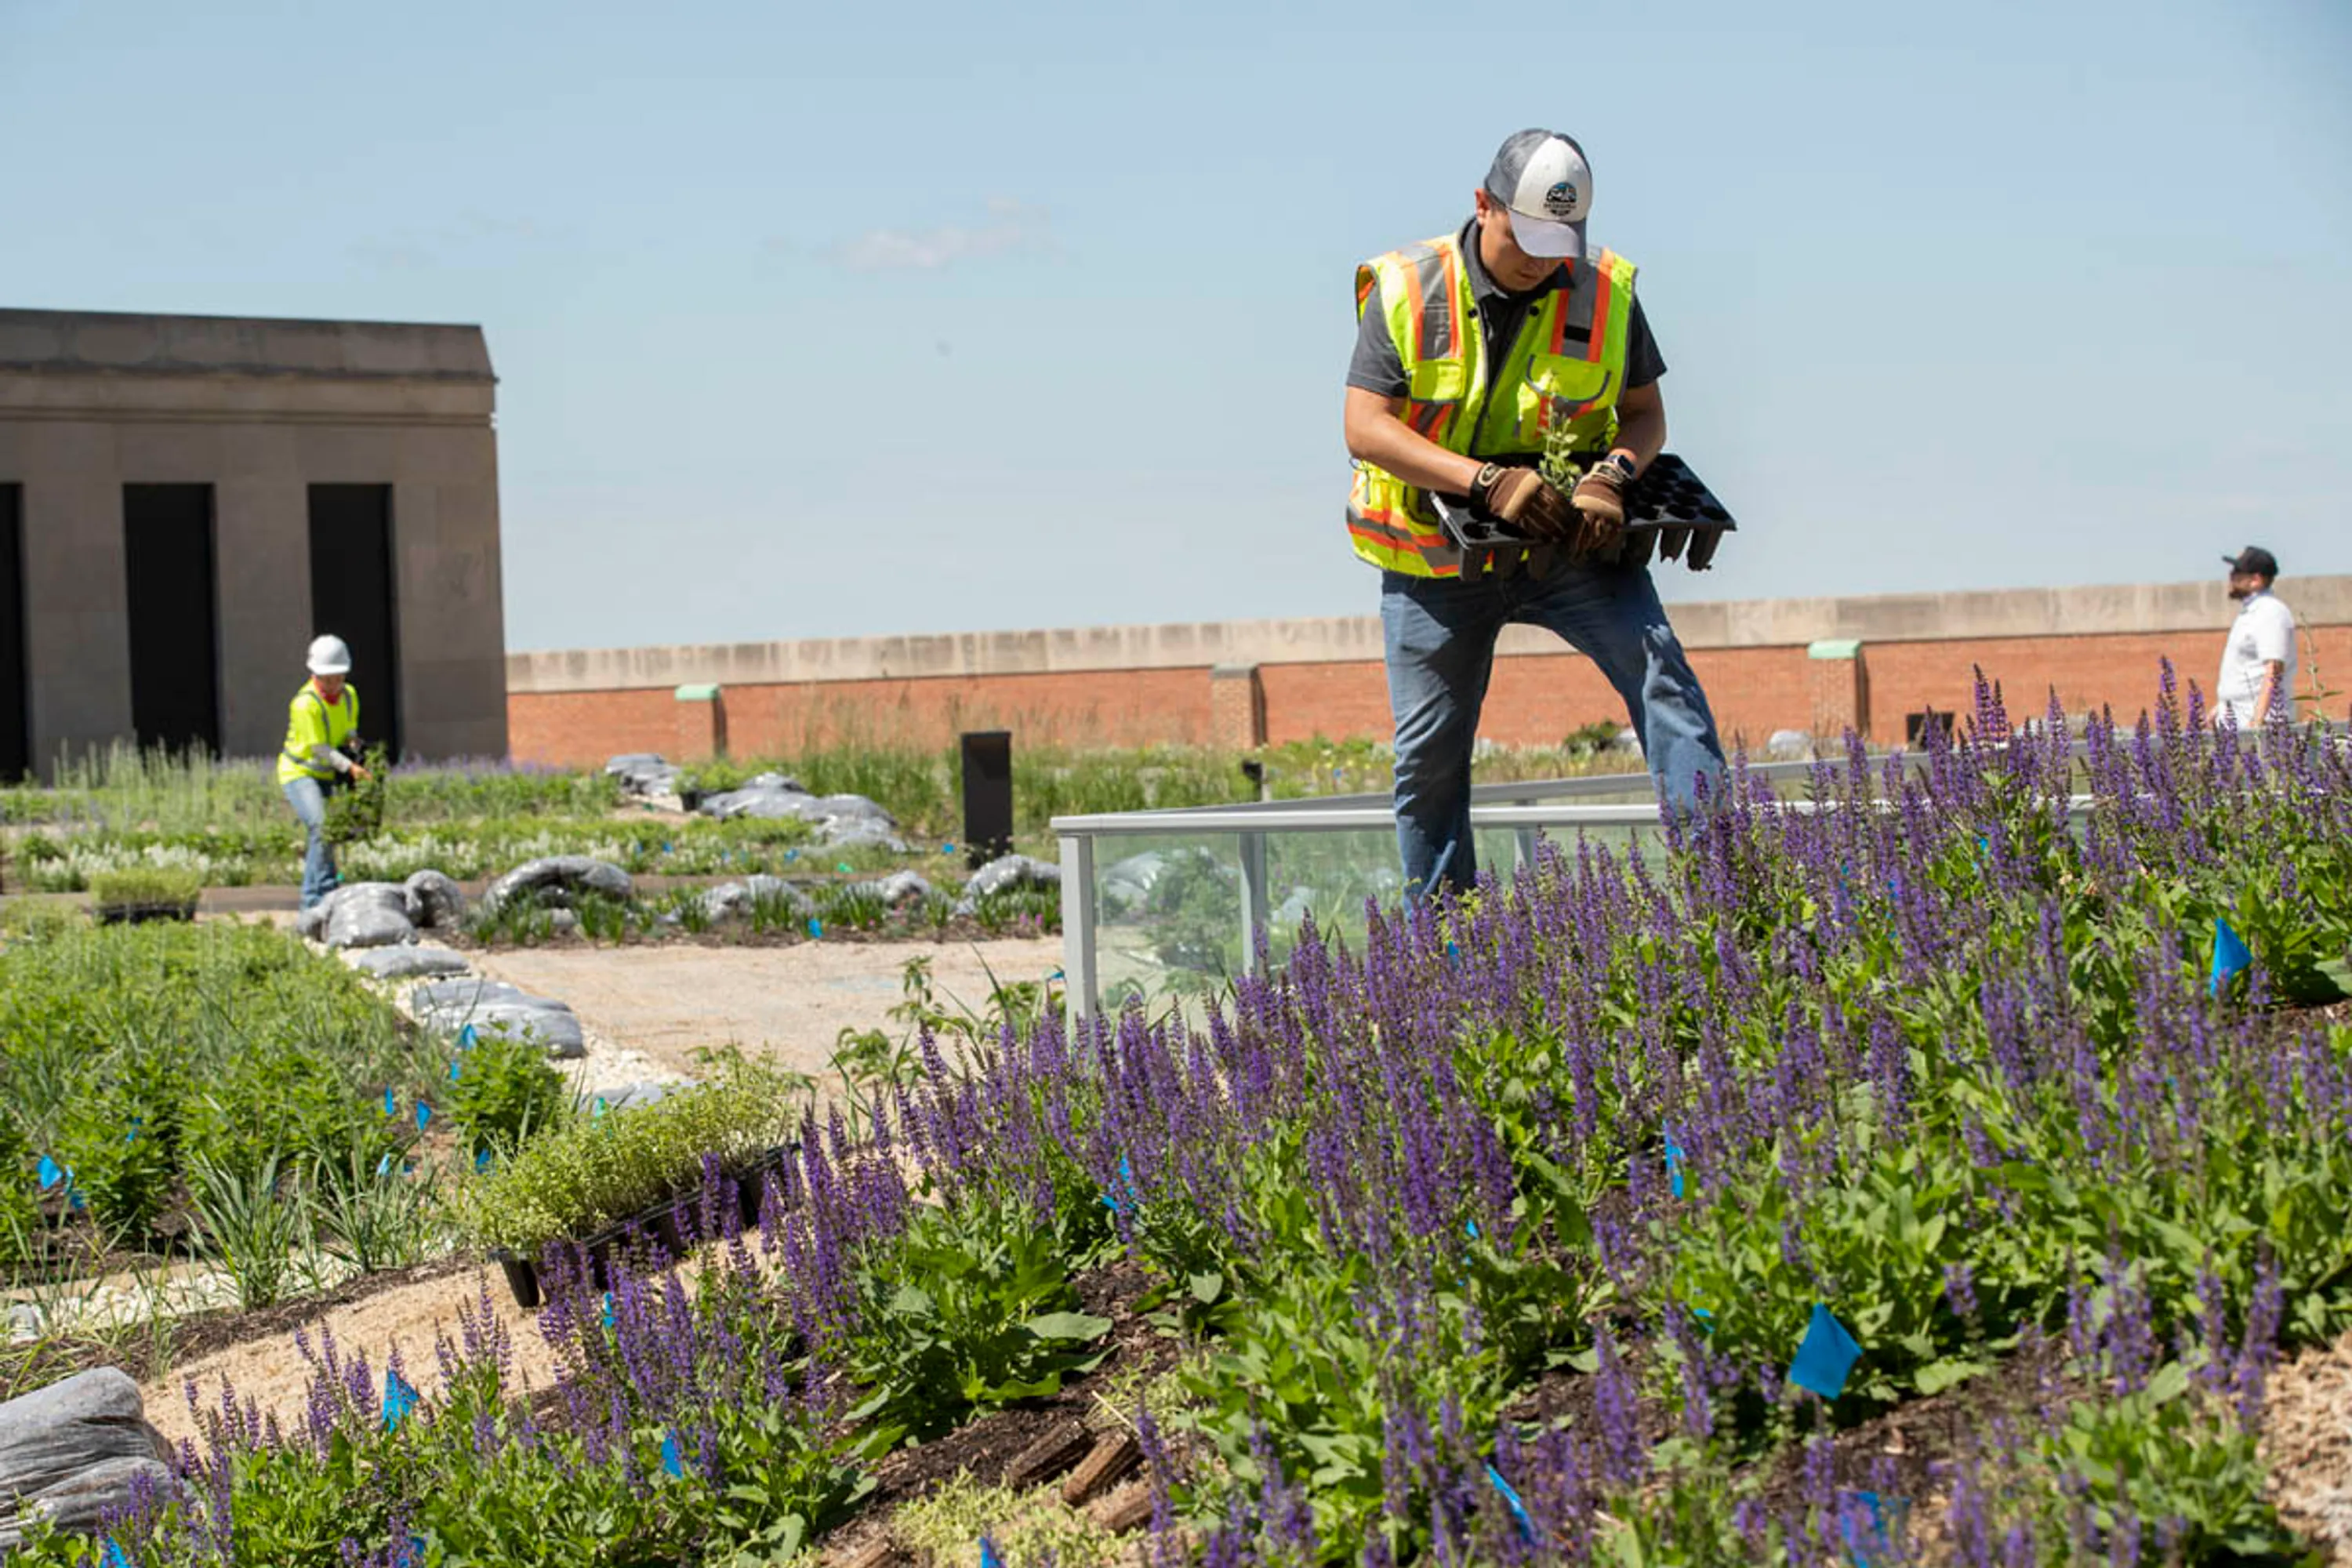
141,914
1664,507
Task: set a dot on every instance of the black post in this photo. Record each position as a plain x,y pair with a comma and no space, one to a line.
987,795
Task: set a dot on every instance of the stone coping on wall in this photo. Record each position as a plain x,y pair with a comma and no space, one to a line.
103,342
1724,624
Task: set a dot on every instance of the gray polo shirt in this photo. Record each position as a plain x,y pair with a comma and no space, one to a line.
1376,368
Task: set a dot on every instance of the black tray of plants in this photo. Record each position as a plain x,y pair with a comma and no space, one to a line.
141,914
1665,510
661,1233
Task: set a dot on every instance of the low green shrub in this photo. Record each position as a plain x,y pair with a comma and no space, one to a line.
172,887
968,1312
503,1090
282,1103
127,1049
601,1169
18,1212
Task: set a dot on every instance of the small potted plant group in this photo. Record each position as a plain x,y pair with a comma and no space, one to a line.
681,1170
145,893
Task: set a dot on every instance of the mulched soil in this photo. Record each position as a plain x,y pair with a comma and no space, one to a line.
201,1334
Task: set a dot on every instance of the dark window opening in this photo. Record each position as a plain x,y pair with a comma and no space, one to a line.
167,557
15,694
352,596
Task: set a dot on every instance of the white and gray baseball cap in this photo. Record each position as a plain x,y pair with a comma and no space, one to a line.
1544,183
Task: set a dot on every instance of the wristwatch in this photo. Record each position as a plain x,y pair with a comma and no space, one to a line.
1623,465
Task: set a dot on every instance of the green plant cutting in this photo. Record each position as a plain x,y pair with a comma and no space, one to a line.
355,806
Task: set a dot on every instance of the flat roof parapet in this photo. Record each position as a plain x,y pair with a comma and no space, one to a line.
103,342
2202,607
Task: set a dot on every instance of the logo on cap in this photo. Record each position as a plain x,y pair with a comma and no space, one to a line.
1561,200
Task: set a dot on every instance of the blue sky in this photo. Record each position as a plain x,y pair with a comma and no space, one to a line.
818,320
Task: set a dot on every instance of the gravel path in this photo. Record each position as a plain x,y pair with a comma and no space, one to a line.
789,1004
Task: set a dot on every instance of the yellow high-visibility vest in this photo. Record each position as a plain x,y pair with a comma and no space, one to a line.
1564,369
311,721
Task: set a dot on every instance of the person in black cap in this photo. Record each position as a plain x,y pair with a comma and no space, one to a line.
2258,661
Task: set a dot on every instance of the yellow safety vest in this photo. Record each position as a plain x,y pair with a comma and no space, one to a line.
1565,368
311,722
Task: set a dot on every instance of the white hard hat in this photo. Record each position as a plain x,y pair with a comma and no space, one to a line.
329,655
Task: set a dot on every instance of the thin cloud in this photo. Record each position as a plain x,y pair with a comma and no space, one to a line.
1010,228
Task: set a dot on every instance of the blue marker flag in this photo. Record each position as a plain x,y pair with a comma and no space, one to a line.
1825,1355
115,1556
468,1039
2232,957
51,1172
391,1105
816,930
424,1115
399,1398
670,1461
1511,1500
1864,1525
608,1309
453,1072
481,1159
988,1557
947,848
1126,1186
383,1166
1674,1158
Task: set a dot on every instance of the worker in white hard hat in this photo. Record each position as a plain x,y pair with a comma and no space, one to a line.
320,726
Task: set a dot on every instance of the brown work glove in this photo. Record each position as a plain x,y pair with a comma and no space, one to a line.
1525,501
1599,502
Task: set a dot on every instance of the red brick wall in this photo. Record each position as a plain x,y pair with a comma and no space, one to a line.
1112,708
2117,670
1534,700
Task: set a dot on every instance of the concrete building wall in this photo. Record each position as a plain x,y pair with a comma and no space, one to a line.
260,411
1125,685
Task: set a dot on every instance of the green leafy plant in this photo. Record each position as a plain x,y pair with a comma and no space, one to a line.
974,1312
121,1145
280,1103
502,1091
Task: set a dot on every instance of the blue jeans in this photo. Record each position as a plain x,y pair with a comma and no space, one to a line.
1441,636
308,799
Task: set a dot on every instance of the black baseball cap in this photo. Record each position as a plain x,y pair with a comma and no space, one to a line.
2254,560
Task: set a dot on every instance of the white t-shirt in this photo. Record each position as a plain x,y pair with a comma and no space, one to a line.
2265,632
